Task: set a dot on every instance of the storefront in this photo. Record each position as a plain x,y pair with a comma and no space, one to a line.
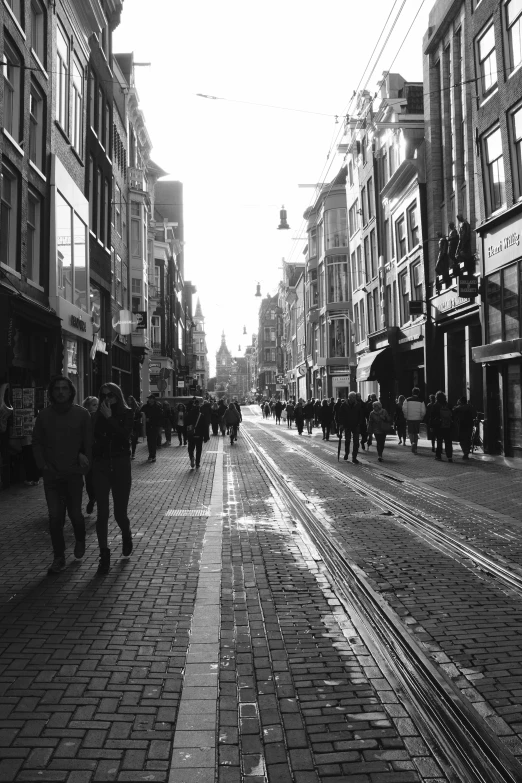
500,355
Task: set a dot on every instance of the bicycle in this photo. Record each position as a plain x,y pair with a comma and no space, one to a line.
476,440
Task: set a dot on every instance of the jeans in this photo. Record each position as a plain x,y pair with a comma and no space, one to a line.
195,443
444,438
350,433
152,440
111,475
64,493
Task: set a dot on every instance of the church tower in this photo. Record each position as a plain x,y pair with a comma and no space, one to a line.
201,368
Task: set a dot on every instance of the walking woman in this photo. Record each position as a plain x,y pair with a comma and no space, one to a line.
112,468
91,405
400,421
379,424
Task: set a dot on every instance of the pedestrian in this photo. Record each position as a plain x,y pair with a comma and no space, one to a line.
214,417
197,433
232,419
290,411
167,423
153,420
325,417
431,431
442,423
137,422
349,420
414,412
91,405
299,416
379,424
111,450
400,421
179,418
62,444
308,411
278,409
464,415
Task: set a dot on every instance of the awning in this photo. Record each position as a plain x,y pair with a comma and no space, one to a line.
496,352
365,366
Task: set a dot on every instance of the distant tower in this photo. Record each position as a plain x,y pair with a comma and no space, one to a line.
200,349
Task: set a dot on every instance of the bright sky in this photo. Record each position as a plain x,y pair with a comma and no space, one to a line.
239,163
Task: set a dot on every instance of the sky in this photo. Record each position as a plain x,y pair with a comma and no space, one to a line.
240,162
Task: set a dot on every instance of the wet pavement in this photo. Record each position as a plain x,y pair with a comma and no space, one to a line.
220,652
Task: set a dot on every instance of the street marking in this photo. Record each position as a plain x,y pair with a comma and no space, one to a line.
194,754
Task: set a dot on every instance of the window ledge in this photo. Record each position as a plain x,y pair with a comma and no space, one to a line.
39,63
62,131
15,20
13,142
10,270
37,170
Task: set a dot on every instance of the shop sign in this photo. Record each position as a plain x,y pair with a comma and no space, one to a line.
78,323
502,245
446,302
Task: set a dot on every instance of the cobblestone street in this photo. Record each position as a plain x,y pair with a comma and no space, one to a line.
220,650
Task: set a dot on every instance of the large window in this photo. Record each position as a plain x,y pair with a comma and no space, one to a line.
9,218
514,30
34,236
337,283
62,77
71,242
413,226
77,107
12,67
336,234
400,227
487,61
38,33
494,173
339,335
36,126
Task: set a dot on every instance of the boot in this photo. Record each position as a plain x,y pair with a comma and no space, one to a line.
105,561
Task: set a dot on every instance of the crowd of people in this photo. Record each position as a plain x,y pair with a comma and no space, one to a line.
360,422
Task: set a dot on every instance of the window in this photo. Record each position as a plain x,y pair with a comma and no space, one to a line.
373,254
401,237
413,226
36,126
77,107
38,35
495,179
155,331
353,217
487,61
34,236
514,30
338,337
371,207
62,77
337,279
416,277
336,234
12,91
363,206
404,297
117,209
9,218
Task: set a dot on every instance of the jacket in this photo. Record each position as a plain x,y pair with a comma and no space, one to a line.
59,436
414,409
350,415
112,435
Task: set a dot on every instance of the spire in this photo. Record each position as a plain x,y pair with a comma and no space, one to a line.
199,313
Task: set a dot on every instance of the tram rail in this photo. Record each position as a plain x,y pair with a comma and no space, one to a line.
457,731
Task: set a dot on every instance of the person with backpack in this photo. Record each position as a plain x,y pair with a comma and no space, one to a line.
441,421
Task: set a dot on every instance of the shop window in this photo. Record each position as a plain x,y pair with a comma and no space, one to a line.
495,181
38,33
34,236
413,226
62,78
36,126
487,61
404,297
337,283
400,229
12,68
338,337
514,32
336,232
9,218
77,107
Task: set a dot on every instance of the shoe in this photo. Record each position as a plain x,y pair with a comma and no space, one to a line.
355,461
126,543
57,565
90,507
192,463
450,459
79,549
346,456
105,561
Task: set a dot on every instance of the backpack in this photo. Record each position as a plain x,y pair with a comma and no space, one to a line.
445,418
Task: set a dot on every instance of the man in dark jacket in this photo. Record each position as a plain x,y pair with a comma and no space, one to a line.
464,416
62,445
349,418
153,421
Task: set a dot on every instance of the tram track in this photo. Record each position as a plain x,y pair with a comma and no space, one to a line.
457,731
429,531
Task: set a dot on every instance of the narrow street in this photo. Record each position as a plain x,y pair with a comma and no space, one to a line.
284,617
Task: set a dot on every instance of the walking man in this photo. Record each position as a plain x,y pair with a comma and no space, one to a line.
414,411
62,444
153,421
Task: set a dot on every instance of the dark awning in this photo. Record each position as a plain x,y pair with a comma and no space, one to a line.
365,366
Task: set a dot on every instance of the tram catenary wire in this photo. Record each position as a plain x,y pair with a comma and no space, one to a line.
456,729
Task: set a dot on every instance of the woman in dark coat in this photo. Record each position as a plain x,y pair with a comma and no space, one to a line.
326,417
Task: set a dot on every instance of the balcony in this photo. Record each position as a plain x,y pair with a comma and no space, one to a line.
136,178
